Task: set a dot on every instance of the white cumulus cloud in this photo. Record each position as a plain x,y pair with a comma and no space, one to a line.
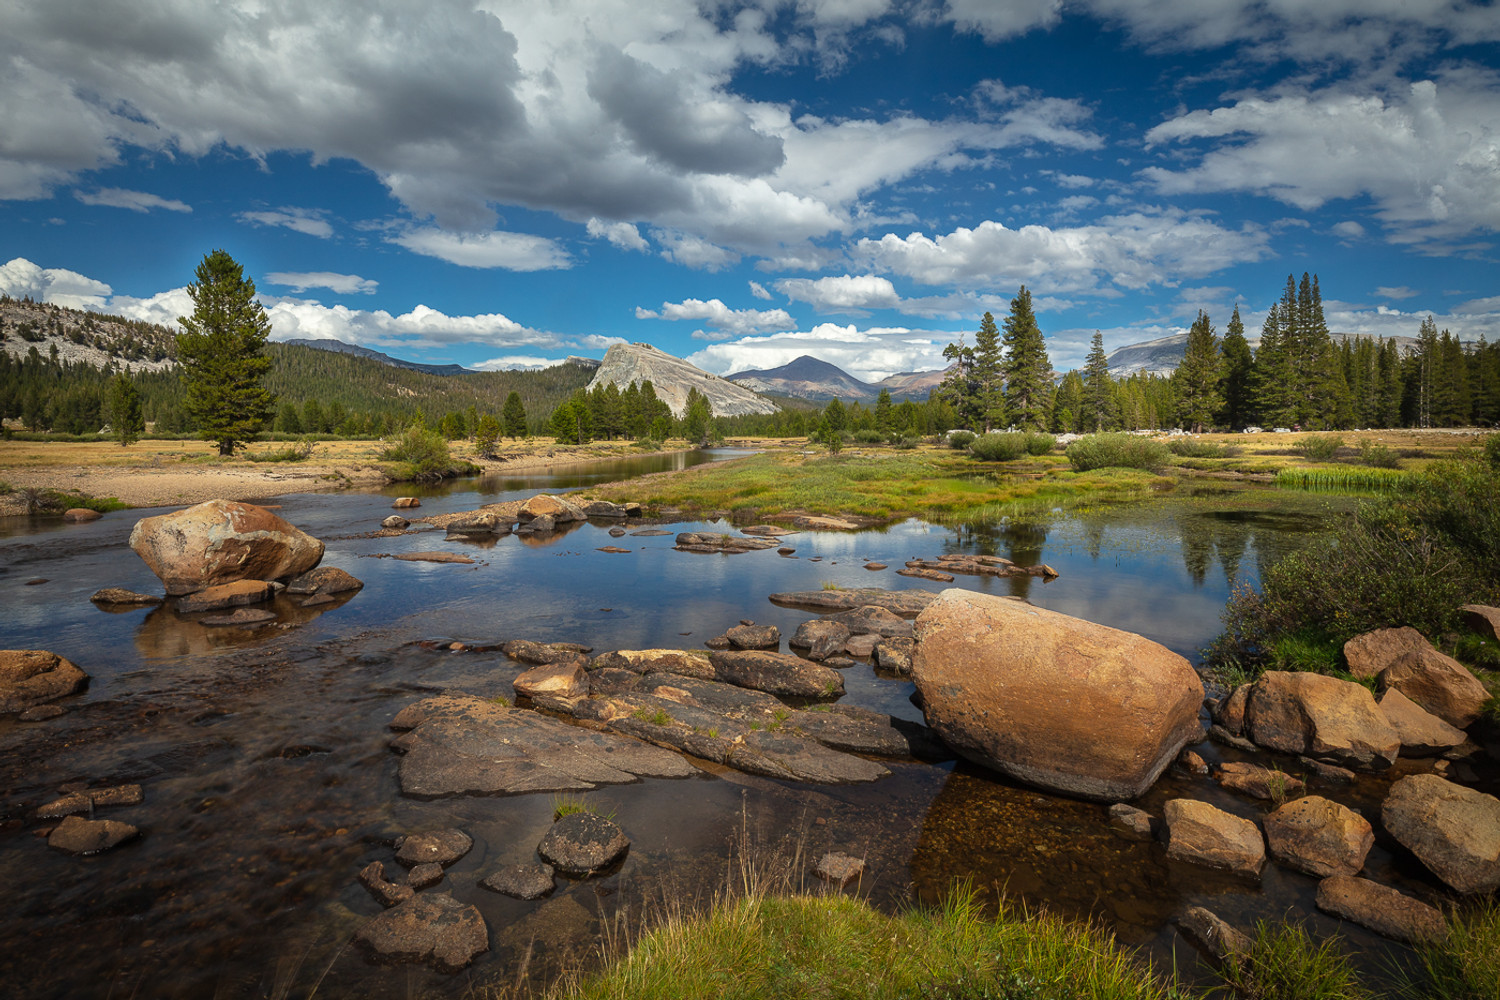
720,316
20,278
844,293
622,234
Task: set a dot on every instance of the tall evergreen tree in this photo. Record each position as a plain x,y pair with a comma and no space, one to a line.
1237,367
1427,361
987,374
883,416
1274,382
1098,389
222,354
1068,404
698,418
1028,372
125,416
960,389
513,415
1197,378
1388,406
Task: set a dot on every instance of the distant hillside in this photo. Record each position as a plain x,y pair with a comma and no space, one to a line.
92,338
339,347
809,378
673,377
1161,357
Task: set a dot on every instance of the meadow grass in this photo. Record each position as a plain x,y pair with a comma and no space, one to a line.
918,483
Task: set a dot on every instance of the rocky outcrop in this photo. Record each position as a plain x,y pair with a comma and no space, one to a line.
776,673
31,677
906,603
119,596
1422,733
1201,834
1380,908
1320,837
1453,830
1370,653
461,745
76,835
432,927
1052,700
1438,683
582,843
672,379
819,639
220,541
1322,717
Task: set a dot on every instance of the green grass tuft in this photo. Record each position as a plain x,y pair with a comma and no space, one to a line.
1285,964
659,717
1345,478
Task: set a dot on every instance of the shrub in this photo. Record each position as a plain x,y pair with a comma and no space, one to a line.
299,451
998,447
1121,451
422,455
1319,447
904,441
1038,443
959,440
1377,455
869,437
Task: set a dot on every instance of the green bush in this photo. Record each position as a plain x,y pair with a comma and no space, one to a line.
1004,447
1377,455
904,441
869,437
1038,443
1117,451
298,452
422,455
959,440
1319,447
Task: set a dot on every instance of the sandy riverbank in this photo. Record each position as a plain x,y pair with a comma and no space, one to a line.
175,473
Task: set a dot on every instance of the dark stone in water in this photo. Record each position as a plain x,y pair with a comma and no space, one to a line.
427,874
522,881
119,595
776,673
386,893
439,847
244,617
431,927
86,801
582,843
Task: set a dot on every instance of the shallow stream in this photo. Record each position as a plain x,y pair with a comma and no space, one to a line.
269,783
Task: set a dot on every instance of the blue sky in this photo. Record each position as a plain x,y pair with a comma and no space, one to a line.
739,183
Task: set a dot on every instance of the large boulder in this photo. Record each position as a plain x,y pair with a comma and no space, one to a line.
1320,837
30,677
1453,830
1052,700
1372,652
1440,684
1422,733
220,541
1321,717
1201,834
1482,619
546,505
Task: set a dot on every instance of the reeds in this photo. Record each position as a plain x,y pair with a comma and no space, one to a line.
1349,479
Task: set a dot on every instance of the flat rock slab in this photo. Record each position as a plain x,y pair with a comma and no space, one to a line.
76,835
433,557
121,596
582,843
31,677
1422,733
1380,908
1453,830
432,927
649,533
1201,834
522,881
906,603
86,801
776,673
227,595
324,580
461,745
926,574
684,662
1258,782
1215,934
243,618
702,541
437,847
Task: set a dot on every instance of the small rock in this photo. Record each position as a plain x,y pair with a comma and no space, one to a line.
1201,834
242,617
1330,774
1219,734
41,713
1220,939
227,595
30,677
83,802
424,875
839,868
430,927
785,550
617,532
1130,822
1438,683
820,639
1380,908
1483,619
556,680
395,523
1231,711
1319,837
861,645
522,881
402,503
582,843
442,847
718,642
926,574
76,835
613,549
1258,782
80,515
875,566
386,893
324,580
119,595
1191,762
435,557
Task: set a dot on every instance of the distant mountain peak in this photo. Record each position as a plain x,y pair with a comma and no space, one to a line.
672,378
339,347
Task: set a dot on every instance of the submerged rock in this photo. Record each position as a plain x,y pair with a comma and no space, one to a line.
907,603
386,893
430,927
522,881
819,638
121,596
324,580
227,595
1221,940
1052,700
241,618
1453,830
76,835
582,843
1131,823
221,541
30,677
80,515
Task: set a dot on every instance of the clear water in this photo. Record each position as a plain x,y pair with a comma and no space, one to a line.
269,782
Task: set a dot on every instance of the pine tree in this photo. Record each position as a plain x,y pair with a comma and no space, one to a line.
1237,367
1452,400
1197,378
1275,388
486,434
987,374
1427,361
960,389
1028,372
1388,407
513,415
698,419
221,351
883,416
1068,404
125,409
1098,390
